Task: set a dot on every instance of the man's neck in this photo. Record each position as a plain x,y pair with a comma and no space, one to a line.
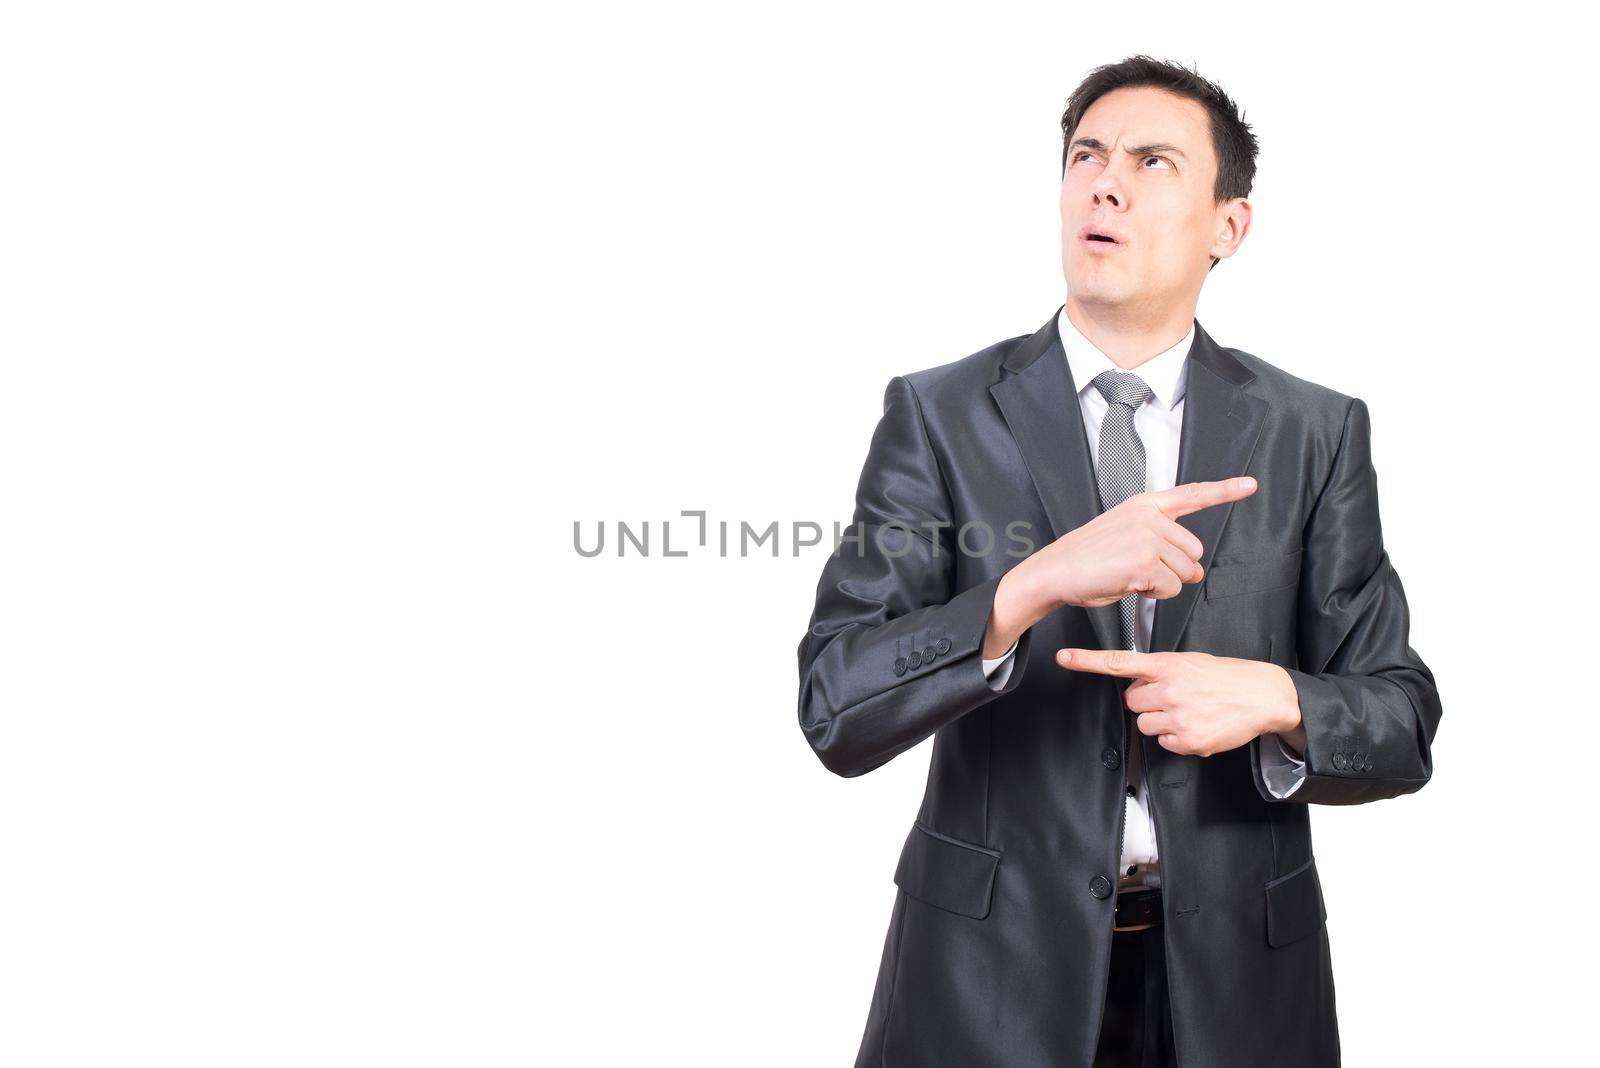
1130,338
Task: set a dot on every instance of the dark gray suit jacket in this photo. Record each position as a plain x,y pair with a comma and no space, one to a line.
998,943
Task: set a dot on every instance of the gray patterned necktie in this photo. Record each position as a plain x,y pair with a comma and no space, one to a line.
1120,473
1120,468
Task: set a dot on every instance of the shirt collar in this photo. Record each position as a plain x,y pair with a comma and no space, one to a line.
1167,374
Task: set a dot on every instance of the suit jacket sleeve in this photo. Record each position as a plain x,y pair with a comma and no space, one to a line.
868,689
1368,702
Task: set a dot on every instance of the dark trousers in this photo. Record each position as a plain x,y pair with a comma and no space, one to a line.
1136,1028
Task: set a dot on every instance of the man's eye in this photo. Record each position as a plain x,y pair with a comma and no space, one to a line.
1159,159
1082,156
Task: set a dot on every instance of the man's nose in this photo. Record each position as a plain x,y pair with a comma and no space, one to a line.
1107,193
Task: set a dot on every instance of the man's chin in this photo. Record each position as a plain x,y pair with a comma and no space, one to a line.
1100,292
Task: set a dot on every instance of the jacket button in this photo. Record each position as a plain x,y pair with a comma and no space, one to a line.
914,660
900,665
942,645
1111,758
1100,886
1366,763
1340,761
928,654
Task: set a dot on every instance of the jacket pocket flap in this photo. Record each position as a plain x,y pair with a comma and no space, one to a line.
947,873
1294,905
1252,576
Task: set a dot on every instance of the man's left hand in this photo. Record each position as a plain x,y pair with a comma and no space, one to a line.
1196,703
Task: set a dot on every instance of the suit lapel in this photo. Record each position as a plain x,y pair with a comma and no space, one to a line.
1040,404
1221,424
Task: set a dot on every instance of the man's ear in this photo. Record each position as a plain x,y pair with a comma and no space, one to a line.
1233,223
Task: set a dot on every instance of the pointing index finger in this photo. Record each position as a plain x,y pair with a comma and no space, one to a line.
1193,496
1124,663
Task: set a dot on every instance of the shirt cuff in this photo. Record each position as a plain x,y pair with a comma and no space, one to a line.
998,670
1282,770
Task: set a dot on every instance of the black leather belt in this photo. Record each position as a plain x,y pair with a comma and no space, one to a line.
1137,908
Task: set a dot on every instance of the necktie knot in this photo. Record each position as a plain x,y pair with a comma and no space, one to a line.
1122,387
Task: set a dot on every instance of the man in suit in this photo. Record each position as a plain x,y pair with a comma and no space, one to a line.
1133,583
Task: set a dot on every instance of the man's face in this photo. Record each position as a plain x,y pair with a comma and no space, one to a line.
1141,169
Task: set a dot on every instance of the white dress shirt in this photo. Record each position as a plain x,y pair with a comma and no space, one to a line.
1159,424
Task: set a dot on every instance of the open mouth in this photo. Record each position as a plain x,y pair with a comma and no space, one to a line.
1100,237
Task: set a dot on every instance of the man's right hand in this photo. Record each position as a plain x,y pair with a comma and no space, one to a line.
1136,547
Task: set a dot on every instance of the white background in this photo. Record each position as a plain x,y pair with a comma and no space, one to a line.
323,322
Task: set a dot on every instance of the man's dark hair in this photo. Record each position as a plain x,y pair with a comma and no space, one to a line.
1235,145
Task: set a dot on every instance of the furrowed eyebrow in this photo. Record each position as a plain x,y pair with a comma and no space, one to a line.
1154,149
1157,149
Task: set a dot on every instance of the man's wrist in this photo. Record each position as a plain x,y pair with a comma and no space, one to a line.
1017,606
